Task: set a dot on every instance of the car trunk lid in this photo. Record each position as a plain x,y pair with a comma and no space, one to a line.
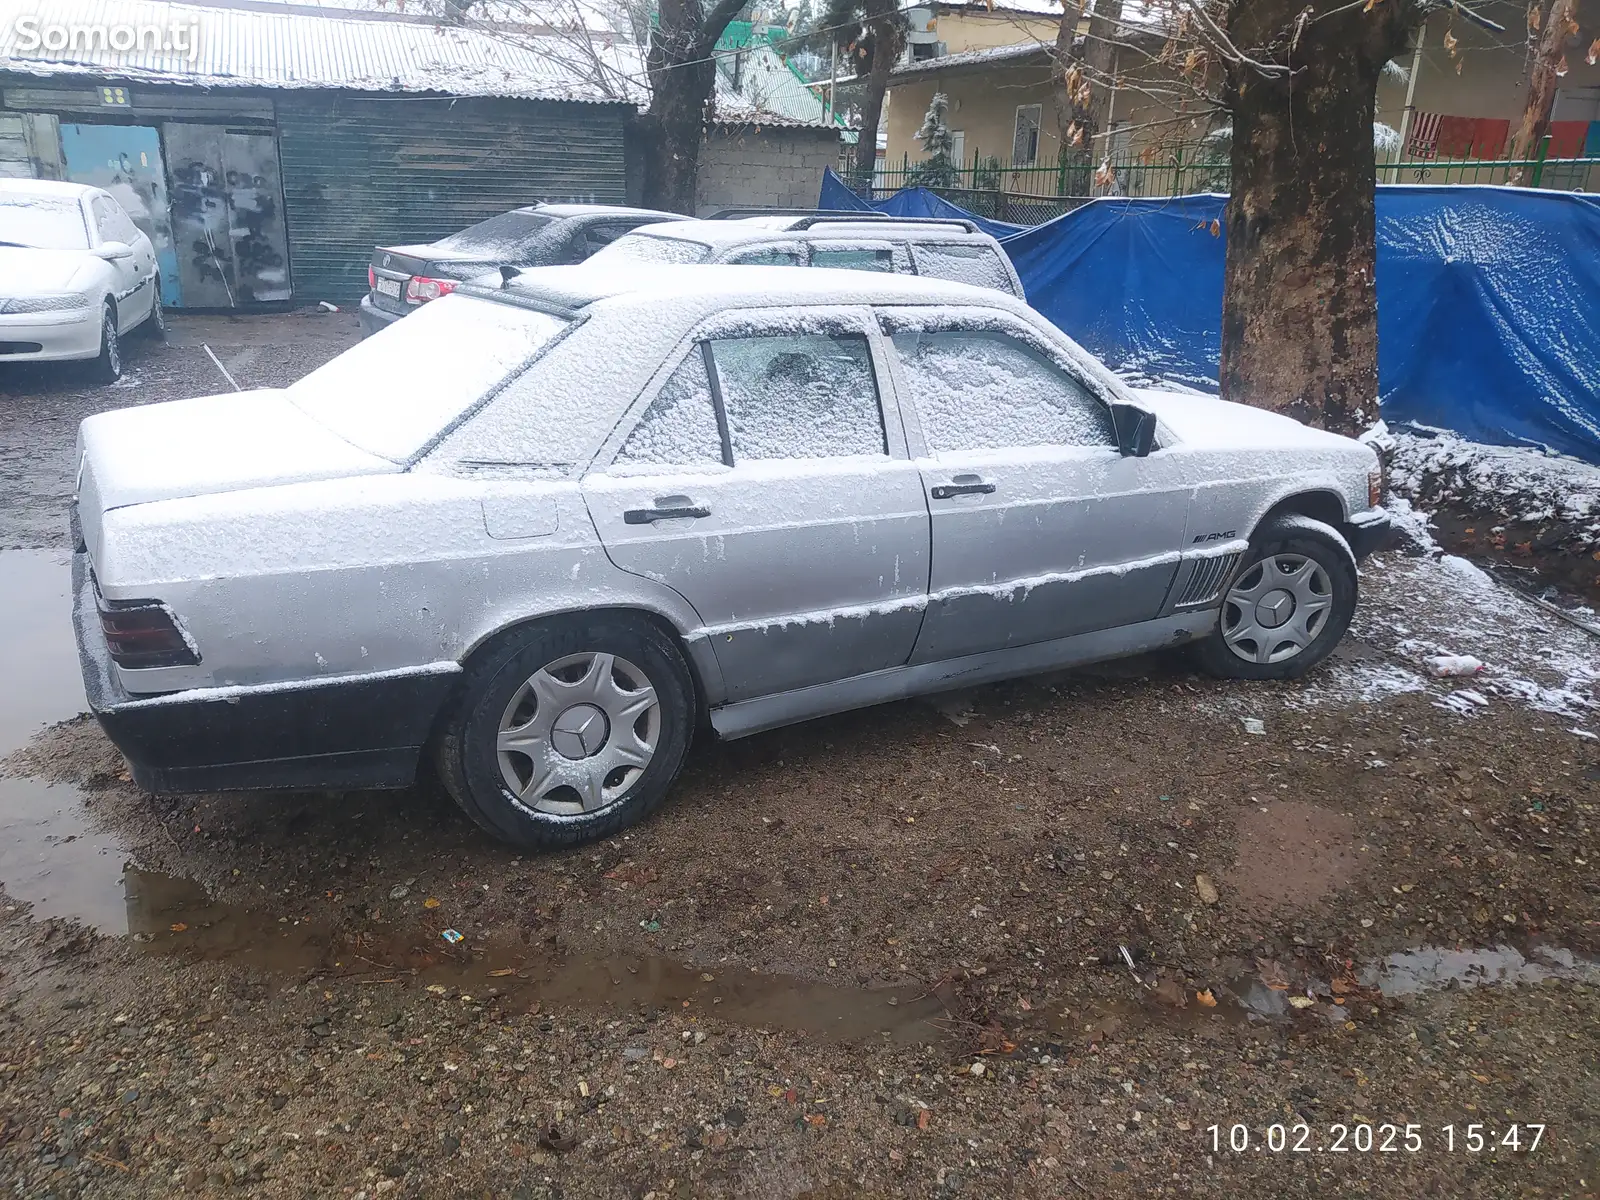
214,444
393,267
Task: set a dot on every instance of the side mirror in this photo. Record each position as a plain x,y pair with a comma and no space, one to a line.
1136,429
113,251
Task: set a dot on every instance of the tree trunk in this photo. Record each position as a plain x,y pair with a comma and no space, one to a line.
683,77
1083,86
884,28
1560,26
1299,305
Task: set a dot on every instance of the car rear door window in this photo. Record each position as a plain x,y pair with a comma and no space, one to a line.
879,259
799,396
977,265
982,389
680,426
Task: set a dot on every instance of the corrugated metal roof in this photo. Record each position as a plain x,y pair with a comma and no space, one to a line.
769,92
259,47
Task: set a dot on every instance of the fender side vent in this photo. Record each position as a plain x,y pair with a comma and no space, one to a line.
1206,578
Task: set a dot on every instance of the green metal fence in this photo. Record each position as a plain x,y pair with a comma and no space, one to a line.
1033,193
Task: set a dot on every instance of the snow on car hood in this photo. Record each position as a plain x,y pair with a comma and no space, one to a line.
212,444
26,271
1204,421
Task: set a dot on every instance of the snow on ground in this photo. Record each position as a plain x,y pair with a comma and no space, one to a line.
1424,603
1518,484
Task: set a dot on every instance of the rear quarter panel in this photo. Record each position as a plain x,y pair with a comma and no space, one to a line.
356,576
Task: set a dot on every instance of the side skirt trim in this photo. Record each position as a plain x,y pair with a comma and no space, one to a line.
899,683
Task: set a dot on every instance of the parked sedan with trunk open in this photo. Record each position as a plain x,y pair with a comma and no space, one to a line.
546,530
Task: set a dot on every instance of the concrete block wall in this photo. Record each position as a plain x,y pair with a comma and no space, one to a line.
775,166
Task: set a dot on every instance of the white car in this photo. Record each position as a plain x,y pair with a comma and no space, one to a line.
75,275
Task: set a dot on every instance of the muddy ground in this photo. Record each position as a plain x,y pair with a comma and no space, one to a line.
1034,940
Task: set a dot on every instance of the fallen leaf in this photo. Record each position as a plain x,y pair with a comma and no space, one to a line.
430,902
1206,999
816,1120
922,1119
789,1097
177,927
1272,975
1301,1001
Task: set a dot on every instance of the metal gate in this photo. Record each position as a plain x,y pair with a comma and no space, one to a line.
125,160
227,215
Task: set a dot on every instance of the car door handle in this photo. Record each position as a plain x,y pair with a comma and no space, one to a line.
670,508
962,485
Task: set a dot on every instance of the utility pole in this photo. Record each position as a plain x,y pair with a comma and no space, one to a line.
1410,110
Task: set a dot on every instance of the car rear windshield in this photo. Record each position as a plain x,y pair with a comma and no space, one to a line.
397,390
647,248
48,222
508,234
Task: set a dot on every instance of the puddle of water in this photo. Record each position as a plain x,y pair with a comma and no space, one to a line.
49,856
38,656
176,917
1428,968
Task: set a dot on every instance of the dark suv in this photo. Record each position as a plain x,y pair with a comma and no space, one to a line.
541,235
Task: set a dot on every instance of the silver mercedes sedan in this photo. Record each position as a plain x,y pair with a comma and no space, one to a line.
548,526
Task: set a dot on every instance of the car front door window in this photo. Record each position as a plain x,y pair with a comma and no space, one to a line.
984,389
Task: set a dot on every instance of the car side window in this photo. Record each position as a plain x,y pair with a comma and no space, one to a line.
799,396
597,237
105,221
680,426
987,390
767,256
977,265
853,259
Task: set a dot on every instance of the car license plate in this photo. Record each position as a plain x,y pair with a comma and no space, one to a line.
389,287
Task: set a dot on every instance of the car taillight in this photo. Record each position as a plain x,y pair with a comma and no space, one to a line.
420,288
372,280
142,634
1375,487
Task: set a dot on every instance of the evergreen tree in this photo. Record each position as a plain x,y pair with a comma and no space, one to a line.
939,169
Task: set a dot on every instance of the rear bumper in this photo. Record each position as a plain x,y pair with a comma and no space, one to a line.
373,318
356,732
1369,531
48,337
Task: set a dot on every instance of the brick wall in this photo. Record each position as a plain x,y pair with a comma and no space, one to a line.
775,167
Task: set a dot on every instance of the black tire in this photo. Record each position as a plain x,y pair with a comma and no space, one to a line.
1302,537
107,368
155,325
466,753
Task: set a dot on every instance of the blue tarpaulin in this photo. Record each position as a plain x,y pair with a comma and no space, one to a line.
907,202
1488,302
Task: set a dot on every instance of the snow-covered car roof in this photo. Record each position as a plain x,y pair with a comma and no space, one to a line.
712,287
46,187
755,230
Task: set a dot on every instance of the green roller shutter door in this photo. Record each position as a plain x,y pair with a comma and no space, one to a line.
363,171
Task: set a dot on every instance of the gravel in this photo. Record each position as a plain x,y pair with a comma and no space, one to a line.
916,951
